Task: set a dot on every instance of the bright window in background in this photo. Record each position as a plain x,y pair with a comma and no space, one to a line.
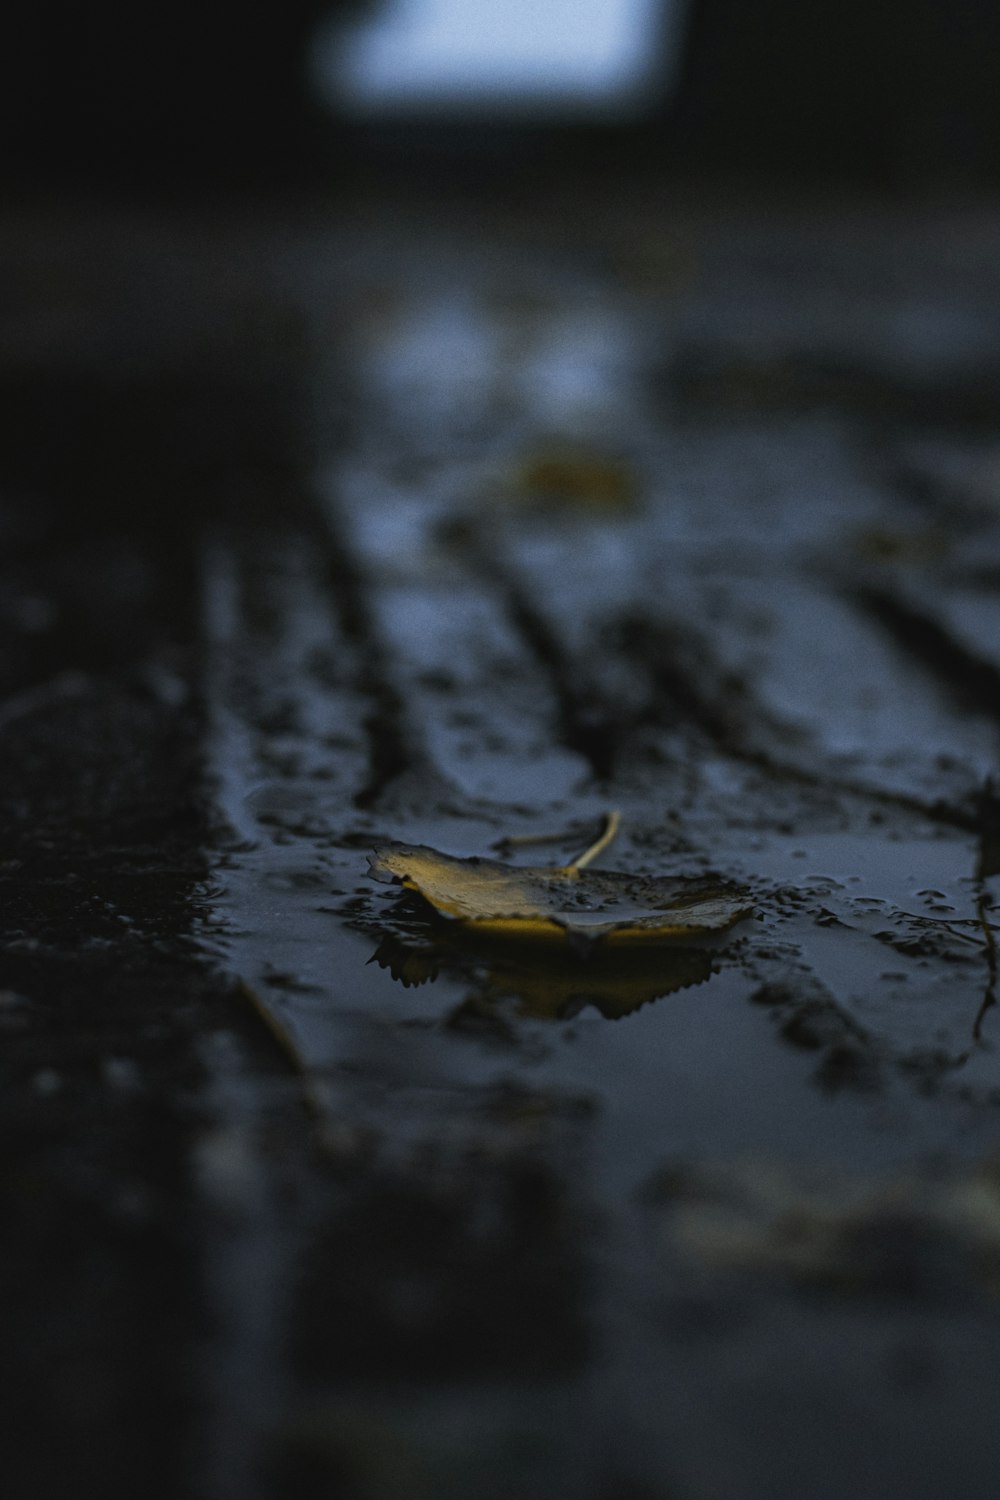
500,58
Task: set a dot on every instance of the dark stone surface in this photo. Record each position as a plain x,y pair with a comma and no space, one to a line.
303,1193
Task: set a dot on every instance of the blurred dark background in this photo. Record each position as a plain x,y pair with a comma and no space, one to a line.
896,91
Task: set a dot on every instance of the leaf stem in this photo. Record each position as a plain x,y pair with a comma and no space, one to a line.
612,823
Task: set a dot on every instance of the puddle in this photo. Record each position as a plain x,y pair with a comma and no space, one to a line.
670,1052
666,1045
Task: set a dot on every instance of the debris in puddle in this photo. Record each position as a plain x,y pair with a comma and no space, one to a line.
901,1236
285,1044
564,902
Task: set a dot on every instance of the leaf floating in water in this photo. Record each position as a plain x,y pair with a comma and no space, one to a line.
530,902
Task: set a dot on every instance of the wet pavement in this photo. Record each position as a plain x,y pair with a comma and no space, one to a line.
459,523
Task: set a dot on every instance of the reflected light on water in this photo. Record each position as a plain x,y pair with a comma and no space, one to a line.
521,57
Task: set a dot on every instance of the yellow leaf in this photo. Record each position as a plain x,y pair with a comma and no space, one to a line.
576,481
542,903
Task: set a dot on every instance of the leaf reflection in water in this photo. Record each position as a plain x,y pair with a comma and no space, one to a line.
550,984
